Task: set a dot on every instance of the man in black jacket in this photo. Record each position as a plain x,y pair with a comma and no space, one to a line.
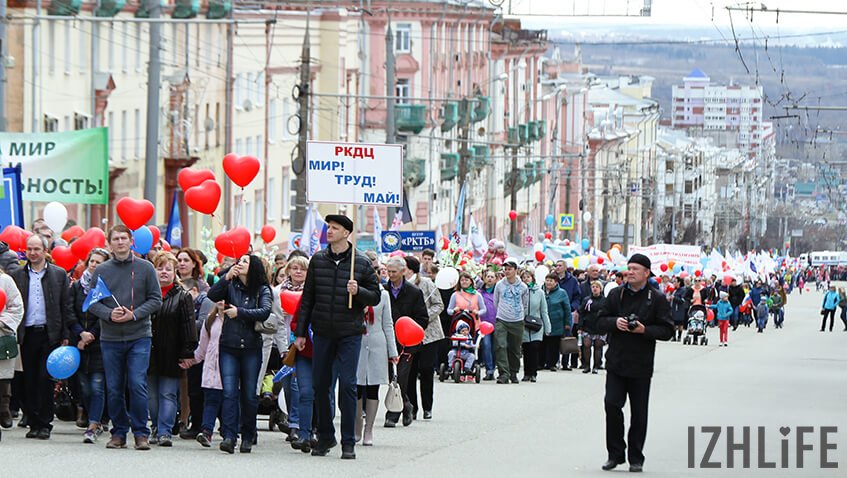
47,315
736,297
629,360
336,328
406,300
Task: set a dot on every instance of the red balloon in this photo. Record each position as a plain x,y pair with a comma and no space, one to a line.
188,178
241,170
157,234
444,243
64,257
600,260
698,273
2,300
567,242
727,280
234,243
72,232
408,332
205,197
548,235
539,256
135,213
290,300
94,237
513,215
166,246
15,237
664,267
486,328
710,314
268,233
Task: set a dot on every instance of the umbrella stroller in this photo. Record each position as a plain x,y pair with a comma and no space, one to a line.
696,330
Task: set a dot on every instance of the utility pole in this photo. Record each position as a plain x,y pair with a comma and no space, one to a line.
390,85
303,102
513,198
628,193
151,152
229,95
36,33
268,23
3,65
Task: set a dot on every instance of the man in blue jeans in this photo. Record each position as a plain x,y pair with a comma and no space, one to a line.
125,335
336,328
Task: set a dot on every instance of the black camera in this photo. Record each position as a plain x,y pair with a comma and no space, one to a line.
632,322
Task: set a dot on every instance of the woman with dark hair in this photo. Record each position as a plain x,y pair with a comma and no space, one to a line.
423,363
172,349
244,293
680,303
86,330
189,266
531,342
486,291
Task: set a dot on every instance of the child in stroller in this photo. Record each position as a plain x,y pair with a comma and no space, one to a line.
462,357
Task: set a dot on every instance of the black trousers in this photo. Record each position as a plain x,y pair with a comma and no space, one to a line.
423,368
404,371
574,358
551,345
37,401
831,315
617,389
531,355
195,396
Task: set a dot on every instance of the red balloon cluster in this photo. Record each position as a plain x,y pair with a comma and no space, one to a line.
234,243
189,178
204,197
15,237
157,234
72,232
290,300
408,332
135,212
94,237
64,257
539,256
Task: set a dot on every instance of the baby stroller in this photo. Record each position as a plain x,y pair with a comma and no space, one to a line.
456,369
696,330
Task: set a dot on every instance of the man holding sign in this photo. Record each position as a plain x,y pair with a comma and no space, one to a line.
336,327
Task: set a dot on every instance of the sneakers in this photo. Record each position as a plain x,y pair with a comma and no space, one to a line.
594,371
427,415
322,448
166,441
490,376
227,446
503,379
532,379
204,438
91,435
586,370
142,443
348,452
188,433
525,378
514,378
116,442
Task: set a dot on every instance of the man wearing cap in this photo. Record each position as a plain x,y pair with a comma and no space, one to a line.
629,359
511,299
336,329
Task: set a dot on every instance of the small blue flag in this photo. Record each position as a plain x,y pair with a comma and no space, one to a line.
283,372
174,232
97,293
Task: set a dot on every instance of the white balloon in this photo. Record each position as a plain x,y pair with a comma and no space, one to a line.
55,216
281,402
538,247
586,216
447,278
541,274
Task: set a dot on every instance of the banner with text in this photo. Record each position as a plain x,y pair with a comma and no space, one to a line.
69,167
408,241
662,253
348,173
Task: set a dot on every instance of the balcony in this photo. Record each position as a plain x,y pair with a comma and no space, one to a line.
64,8
410,118
542,129
109,8
481,157
483,106
449,116
414,172
514,137
184,9
218,9
523,133
449,166
467,109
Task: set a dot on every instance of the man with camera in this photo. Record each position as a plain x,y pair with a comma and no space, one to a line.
635,315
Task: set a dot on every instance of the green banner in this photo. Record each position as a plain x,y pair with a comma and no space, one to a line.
70,167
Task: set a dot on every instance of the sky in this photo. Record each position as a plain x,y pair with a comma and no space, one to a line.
682,12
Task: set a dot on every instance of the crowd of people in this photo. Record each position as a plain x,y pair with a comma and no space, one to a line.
173,350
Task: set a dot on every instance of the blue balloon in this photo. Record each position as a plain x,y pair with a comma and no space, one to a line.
142,240
677,268
586,244
550,219
63,362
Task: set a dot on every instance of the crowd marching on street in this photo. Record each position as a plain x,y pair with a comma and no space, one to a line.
168,350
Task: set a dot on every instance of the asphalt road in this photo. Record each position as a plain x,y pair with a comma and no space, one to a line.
792,377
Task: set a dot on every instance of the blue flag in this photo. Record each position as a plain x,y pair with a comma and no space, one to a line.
96,294
460,209
174,233
283,372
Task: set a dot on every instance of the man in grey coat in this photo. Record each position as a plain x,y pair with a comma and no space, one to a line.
125,335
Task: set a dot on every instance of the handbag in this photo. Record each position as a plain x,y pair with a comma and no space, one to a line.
394,396
269,326
568,345
531,322
8,347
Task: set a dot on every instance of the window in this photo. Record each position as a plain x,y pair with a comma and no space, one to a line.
218,42
174,41
110,52
260,147
401,91
124,49
285,114
272,120
286,194
124,134
403,38
248,146
259,208
271,211
239,146
136,140
66,123
67,48
83,49
112,129
138,47
238,93
239,209
217,124
259,89
248,221
205,128
80,121
51,47
51,124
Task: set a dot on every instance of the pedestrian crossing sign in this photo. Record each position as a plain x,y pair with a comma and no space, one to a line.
566,222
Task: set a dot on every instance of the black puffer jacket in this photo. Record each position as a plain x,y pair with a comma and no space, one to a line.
57,301
174,333
324,301
589,312
409,302
91,359
8,259
239,333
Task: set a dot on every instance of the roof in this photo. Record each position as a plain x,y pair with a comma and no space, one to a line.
697,73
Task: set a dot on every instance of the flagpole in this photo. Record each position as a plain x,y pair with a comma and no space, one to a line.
352,259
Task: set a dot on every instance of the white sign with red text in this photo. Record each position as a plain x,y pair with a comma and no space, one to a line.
354,173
